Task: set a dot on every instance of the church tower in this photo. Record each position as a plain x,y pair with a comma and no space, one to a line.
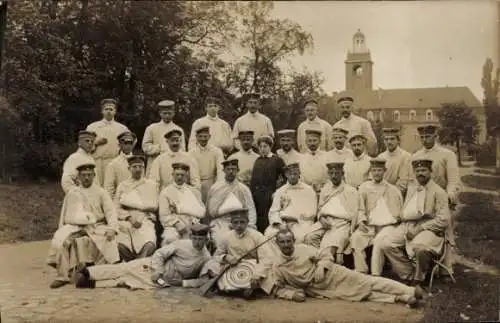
358,65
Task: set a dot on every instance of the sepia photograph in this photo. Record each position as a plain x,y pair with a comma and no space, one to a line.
249,161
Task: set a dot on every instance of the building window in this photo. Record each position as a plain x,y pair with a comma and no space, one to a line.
381,115
396,115
413,115
369,115
429,115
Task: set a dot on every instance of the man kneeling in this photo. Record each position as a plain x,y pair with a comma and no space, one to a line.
170,265
301,270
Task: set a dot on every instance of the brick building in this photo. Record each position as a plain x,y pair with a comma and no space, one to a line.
408,108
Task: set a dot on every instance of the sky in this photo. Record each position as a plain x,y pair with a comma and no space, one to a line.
413,44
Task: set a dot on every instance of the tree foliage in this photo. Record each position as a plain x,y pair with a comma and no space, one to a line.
63,57
384,119
459,125
491,86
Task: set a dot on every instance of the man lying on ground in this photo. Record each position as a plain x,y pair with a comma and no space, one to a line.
170,265
301,270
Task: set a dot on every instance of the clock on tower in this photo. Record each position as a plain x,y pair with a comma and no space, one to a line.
359,74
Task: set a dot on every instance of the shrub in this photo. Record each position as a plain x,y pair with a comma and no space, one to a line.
45,160
486,154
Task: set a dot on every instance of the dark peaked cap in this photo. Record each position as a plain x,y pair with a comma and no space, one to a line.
134,159
422,163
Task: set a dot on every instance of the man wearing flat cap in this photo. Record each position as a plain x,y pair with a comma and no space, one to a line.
181,206
246,156
339,153
118,169
153,142
208,157
136,200
398,160
313,161
220,131
445,171
287,152
254,121
357,168
106,143
83,154
87,228
161,168
353,123
425,228
314,122
380,206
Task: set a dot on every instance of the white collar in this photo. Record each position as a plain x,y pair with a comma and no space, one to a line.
253,115
212,118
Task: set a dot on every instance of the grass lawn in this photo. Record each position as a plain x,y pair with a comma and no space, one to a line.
475,295
29,212
491,183
487,171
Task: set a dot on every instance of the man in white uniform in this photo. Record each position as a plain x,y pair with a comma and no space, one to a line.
153,142
313,122
253,121
355,124
69,178
106,143
220,131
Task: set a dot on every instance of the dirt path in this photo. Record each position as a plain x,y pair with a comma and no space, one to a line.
26,297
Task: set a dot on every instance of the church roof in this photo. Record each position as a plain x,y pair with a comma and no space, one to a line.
416,98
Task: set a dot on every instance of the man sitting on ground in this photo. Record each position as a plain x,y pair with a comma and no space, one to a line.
237,245
169,266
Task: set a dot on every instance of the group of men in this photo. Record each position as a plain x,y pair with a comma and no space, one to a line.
145,221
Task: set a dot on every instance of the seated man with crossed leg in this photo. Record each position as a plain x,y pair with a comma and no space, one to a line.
425,226
136,200
87,228
338,211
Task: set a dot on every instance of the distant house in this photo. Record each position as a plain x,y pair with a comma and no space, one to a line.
408,107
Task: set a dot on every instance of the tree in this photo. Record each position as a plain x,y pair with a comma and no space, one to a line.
491,86
459,125
383,119
266,41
